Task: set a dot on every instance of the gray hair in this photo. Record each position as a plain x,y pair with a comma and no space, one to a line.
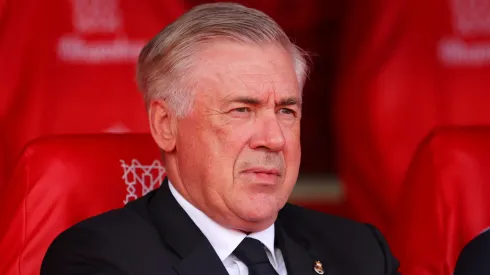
166,60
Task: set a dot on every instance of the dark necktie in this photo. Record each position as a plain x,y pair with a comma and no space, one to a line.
252,253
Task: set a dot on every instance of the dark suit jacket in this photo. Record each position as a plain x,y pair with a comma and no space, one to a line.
474,259
154,236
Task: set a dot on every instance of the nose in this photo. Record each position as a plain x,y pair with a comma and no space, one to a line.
268,134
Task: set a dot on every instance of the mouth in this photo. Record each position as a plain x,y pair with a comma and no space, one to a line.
263,175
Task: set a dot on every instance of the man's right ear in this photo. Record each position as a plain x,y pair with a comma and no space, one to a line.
162,125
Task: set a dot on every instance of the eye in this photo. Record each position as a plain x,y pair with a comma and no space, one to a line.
287,111
241,110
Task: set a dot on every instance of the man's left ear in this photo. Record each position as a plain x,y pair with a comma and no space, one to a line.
162,125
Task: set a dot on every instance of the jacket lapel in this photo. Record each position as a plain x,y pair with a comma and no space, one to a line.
301,254
202,260
180,233
298,260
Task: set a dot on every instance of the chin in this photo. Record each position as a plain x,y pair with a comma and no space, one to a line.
259,210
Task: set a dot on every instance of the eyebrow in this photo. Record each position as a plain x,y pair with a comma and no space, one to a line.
288,101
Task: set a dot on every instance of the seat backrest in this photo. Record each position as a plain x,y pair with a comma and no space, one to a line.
62,180
407,67
444,202
78,77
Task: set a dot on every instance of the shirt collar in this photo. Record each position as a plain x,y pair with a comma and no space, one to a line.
223,240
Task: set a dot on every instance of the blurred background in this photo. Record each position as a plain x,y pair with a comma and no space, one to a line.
386,75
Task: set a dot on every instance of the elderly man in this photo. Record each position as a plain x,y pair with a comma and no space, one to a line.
223,89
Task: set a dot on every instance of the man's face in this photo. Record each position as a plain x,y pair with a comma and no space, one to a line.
238,151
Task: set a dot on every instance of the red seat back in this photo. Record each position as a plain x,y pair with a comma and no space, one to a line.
445,200
406,67
69,68
60,181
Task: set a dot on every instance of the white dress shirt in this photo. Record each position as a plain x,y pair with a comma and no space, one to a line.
224,240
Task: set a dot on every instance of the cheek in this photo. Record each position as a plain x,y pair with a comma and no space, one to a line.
231,140
293,141
223,146
292,157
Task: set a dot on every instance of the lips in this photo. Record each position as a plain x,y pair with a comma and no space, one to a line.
259,170
263,175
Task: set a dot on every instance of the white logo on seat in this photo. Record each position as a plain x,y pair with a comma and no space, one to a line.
471,17
97,16
141,179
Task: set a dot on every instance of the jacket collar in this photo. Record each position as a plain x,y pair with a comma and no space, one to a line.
178,231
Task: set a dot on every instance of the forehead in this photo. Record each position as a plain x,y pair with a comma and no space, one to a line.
232,67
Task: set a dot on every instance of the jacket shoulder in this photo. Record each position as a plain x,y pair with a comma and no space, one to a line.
473,258
297,218
114,242
345,239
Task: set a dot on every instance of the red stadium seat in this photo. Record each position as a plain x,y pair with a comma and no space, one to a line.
445,200
406,68
69,68
60,181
